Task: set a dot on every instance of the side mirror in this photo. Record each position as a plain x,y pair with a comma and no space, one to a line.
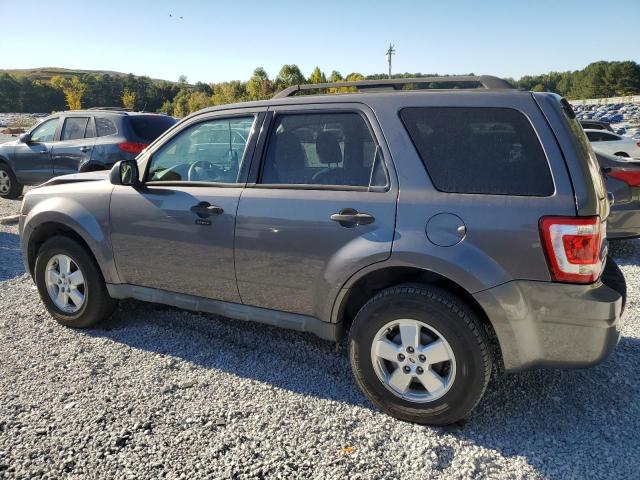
125,172
25,138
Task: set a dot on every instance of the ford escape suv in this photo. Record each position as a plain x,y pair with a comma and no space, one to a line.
448,231
77,140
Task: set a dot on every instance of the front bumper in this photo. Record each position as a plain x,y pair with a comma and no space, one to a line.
546,324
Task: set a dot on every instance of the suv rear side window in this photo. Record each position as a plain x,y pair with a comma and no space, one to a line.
74,128
479,150
150,127
333,149
105,127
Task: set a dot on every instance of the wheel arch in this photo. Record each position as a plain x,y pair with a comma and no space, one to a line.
367,285
43,223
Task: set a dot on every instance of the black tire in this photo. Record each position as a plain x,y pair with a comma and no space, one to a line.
613,278
97,305
454,320
15,187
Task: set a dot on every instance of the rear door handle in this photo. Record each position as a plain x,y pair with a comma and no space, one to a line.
85,149
349,217
205,209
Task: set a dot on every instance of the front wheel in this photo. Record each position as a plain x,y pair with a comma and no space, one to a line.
420,354
9,186
71,285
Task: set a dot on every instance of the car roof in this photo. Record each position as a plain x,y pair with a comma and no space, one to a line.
356,97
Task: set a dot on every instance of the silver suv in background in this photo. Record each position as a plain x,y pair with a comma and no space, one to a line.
76,141
448,231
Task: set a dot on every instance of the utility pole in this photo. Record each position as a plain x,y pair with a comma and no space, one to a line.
390,52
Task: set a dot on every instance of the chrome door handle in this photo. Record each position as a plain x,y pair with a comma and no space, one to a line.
85,149
349,217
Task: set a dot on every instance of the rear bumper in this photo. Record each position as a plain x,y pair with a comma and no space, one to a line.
545,324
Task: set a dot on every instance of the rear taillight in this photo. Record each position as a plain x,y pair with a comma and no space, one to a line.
573,246
631,178
132,147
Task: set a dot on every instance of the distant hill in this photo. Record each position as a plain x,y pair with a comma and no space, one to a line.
46,73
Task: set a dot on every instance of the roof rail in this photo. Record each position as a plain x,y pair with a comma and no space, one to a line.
487,81
114,109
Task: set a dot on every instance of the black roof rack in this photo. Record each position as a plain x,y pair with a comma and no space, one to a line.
114,109
487,81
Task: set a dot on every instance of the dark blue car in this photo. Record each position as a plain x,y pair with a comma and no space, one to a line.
76,141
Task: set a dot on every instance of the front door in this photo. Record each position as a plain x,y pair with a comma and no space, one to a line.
322,207
177,232
33,159
74,148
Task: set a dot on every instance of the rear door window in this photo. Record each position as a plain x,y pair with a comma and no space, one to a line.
150,127
491,151
330,149
74,128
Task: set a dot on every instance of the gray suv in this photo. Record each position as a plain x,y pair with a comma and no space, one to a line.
448,231
76,141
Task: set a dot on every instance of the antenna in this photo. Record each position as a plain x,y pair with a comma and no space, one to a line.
390,51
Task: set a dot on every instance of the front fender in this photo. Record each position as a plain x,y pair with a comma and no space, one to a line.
85,214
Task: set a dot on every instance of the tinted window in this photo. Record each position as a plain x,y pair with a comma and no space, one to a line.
210,151
46,131
323,149
74,128
593,136
150,127
479,150
607,137
105,127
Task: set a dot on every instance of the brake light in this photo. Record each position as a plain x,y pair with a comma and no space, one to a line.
573,246
631,178
132,147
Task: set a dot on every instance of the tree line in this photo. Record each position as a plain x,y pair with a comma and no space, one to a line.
21,94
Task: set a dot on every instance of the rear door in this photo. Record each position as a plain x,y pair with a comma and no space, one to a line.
33,160
74,148
321,206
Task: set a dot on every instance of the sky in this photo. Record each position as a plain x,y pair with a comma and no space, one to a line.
225,40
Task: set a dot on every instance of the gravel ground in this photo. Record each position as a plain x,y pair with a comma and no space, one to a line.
161,393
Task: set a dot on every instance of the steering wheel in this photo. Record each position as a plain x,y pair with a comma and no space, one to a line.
193,175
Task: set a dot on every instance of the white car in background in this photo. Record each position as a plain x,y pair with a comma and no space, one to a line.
613,144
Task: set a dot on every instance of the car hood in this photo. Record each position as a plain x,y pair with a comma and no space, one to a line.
78,177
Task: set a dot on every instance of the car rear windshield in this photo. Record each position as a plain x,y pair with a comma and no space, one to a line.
491,151
150,127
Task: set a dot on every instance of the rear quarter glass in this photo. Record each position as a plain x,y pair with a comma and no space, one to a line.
482,150
149,127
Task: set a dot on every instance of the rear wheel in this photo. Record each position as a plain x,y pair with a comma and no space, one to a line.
420,354
71,285
9,185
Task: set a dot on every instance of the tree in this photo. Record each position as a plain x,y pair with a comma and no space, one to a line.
182,79
317,76
289,75
259,86
129,99
73,90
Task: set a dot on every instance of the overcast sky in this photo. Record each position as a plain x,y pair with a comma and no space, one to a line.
217,41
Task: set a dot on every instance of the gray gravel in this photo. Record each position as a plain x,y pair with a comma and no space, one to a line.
161,393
